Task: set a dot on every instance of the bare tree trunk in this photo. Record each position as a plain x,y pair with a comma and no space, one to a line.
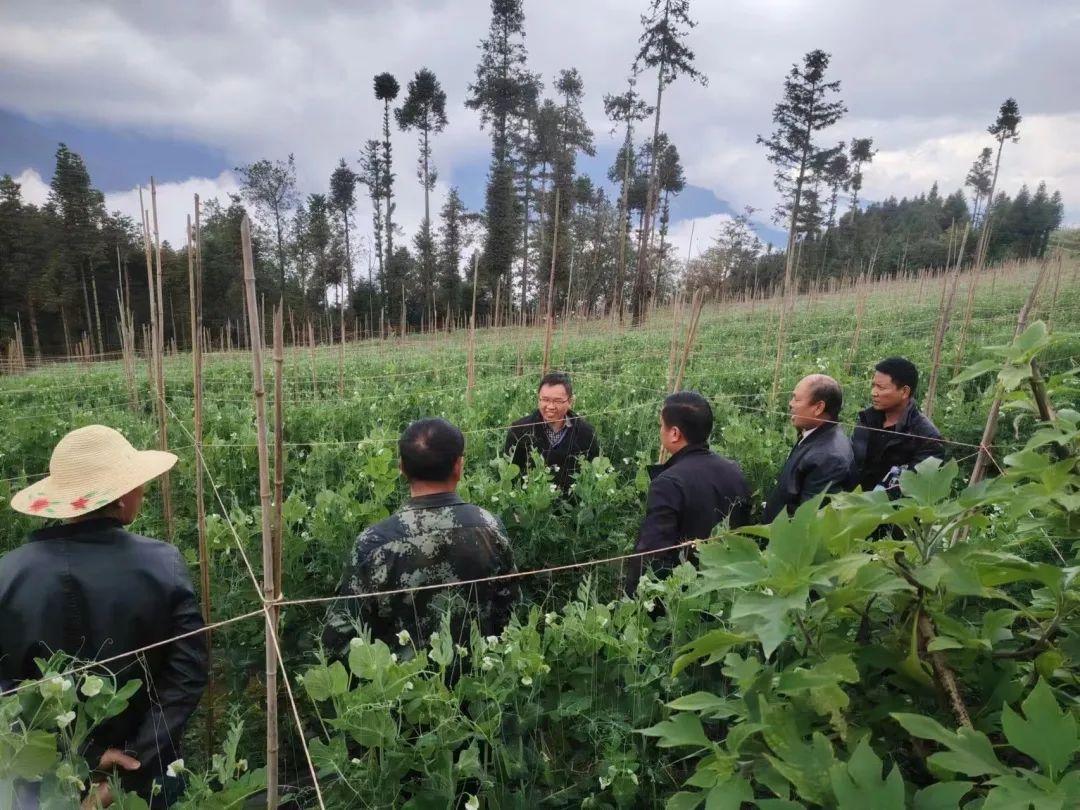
638,302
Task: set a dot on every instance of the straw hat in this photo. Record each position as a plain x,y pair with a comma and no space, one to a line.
90,467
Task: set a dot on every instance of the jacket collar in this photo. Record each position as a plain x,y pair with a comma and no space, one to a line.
67,531
690,450
876,419
435,501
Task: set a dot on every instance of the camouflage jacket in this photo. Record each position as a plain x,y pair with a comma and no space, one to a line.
430,540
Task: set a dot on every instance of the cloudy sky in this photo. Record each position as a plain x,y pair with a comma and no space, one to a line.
186,91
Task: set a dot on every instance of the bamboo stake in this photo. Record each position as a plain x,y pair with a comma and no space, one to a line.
269,575
691,335
470,372
311,352
195,299
551,288
159,351
860,309
279,445
990,430
942,328
1054,298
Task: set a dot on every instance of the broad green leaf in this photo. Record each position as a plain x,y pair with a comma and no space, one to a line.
322,683
930,482
821,684
806,766
729,795
713,644
767,617
28,757
976,370
857,783
684,800
708,704
681,729
1045,732
970,752
944,643
942,796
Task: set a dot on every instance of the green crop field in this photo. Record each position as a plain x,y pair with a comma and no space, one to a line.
805,664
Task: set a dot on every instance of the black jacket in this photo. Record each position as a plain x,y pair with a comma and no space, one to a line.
913,439
528,434
689,496
94,590
821,462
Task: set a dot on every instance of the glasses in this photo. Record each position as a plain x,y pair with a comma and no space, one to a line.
550,401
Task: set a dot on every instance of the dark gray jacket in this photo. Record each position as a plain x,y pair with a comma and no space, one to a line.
821,462
94,590
528,434
913,439
690,495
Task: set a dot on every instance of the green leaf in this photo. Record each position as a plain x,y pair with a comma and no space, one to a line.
322,683
1045,733
729,795
975,370
681,729
684,800
970,751
930,482
857,783
28,757
822,684
942,796
767,616
713,644
708,704
806,766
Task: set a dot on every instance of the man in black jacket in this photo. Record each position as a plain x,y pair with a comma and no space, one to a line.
560,435
93,590
822,459
892,434
691,494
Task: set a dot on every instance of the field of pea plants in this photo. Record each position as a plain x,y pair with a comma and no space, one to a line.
916,653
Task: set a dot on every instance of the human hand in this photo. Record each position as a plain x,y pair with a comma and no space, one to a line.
114,757
100,795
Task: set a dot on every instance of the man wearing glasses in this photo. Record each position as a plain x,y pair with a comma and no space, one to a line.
554,430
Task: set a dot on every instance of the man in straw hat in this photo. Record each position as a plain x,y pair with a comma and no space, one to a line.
89,588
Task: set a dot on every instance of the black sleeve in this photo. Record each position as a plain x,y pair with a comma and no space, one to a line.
178,686
823,474
659,529
517,446
741,509
929,446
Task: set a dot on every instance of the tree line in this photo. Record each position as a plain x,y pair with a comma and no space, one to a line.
545,231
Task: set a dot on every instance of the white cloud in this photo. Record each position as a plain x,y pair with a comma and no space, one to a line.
175,201
33,189
694,236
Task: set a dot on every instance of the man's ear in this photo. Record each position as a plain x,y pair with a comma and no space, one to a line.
401,467
459,467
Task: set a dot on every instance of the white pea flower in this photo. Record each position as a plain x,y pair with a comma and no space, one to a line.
549,618
633,777
356,642
175,768
492,640
545,668
495,498
403,637
393,657
603,621
650,606
604,782
526,680
408,686
472,803
241,766
461,651
355,761
54,687
66,719
434,637
91,687
487,664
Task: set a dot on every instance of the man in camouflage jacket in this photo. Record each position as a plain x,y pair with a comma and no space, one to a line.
433,539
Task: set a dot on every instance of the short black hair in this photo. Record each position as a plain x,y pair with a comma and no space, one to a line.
691,413
902,371
429,448
557,378
825,389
